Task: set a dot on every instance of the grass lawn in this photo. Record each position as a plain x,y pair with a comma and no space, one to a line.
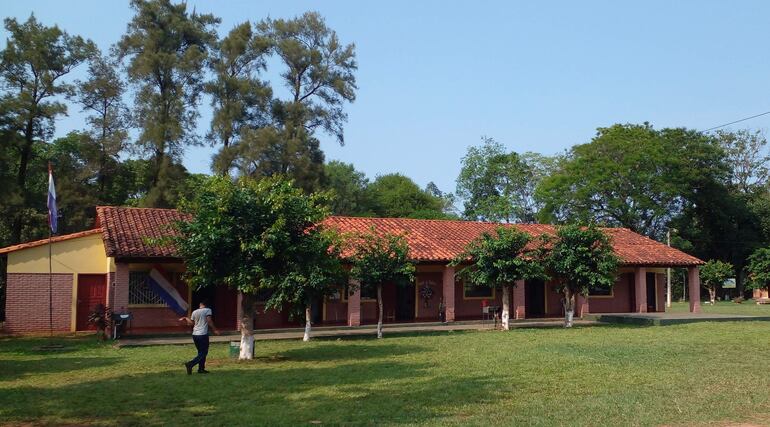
694,374
747,308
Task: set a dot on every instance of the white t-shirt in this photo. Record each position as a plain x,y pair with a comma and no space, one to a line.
201,324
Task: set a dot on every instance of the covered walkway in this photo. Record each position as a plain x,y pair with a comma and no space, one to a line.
331,332
663,319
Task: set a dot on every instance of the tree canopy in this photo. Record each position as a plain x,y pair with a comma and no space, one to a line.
166,49
500,259
377,259
500,186
580,258
713,274
255,236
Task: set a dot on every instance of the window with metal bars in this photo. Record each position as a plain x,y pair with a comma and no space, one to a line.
140,292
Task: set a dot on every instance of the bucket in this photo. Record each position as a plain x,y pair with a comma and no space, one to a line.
235,349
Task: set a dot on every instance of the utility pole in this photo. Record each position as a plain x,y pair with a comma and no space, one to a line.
668,272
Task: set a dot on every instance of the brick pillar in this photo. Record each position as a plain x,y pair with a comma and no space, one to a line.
119,286
448,289
693,288
582,305
519,297
640,289
354,305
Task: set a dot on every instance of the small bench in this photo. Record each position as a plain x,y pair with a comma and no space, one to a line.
763,300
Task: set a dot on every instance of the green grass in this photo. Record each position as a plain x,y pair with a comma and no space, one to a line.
704,373
747,308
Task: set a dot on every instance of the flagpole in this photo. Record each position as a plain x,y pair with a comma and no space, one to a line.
50,285
52,227
50,262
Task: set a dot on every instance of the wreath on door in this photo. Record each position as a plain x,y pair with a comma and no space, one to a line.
426,293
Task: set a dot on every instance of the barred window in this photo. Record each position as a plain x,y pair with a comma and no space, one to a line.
139,291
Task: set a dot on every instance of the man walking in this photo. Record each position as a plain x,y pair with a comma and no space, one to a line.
200,320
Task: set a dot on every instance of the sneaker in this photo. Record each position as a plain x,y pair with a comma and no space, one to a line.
203,371
188,366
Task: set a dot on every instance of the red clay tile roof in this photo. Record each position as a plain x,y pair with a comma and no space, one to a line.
442,240
45,241
127,231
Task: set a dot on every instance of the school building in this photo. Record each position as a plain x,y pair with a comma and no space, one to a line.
117,264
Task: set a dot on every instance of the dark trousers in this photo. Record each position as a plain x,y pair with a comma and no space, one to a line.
202,345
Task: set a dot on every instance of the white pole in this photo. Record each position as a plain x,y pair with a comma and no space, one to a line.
50,286
668,273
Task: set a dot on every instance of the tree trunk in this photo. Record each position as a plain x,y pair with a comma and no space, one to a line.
506,308
379,311
248,308
569,307
308,324
712,295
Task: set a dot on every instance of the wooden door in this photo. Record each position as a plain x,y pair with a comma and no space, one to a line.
92,290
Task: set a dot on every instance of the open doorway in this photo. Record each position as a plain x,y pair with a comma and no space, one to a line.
652,300
405,303
534,298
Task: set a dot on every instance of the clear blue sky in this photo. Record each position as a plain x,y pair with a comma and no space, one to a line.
541,76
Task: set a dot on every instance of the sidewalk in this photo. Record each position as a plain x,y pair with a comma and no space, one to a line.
327,332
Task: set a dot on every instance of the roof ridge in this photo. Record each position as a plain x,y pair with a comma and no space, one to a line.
465,221
53,239
136,208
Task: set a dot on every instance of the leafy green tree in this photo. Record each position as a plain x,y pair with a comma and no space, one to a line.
632,176
101,95
498,260
448,199
271,151
580,258
348,187
33,67
377,259
713,274
718,219
167,49
395,195
240,99
315,272
74,159
250,236
747,155
500,186
758,269
319,75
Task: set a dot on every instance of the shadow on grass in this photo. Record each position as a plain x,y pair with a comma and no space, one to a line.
14,369
258,393
35,346
400,334
328,351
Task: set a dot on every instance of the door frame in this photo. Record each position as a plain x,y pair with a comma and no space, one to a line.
532,283
76,293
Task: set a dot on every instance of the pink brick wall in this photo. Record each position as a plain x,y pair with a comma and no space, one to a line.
154,317
27,302
117,283
336,312
471,308
621,303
